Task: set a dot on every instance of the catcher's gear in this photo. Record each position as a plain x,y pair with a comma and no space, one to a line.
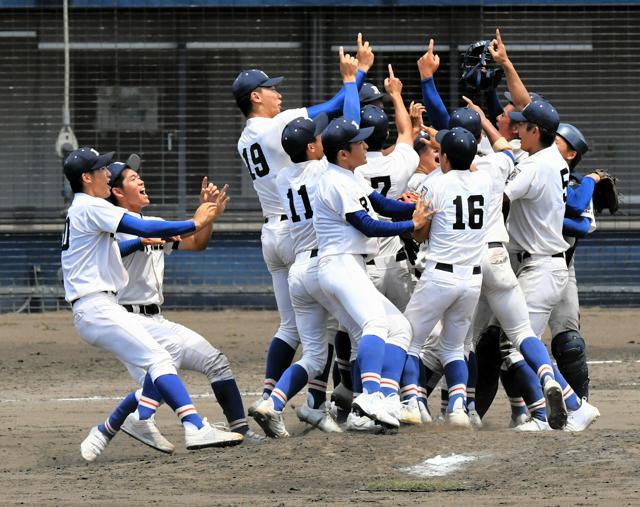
606,194
569,351
489,359
479,71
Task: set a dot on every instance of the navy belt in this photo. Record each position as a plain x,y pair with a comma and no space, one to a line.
400,256
152,309
282,218
495,244
314,253
101,292
448,267
522,256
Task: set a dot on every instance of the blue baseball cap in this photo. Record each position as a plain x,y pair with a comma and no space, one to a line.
418,145
84,160
249,80
532,95
370,93
540,113
301,131
574,138
116,168
459,145
342,131
467,119
373,116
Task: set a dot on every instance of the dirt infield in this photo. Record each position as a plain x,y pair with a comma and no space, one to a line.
49,377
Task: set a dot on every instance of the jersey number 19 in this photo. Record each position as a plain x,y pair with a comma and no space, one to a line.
258,166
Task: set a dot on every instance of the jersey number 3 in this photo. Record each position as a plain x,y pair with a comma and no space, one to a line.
258,166
308,212
476,213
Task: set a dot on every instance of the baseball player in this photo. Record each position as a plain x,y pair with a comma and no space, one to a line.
370,94
347,228
537,194
260,148
449,287
93,274
297,187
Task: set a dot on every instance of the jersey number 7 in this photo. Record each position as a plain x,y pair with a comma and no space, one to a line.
258,166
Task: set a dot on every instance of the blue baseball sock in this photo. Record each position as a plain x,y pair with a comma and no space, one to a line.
150,399
509,382
356,380
529,387
317,390
111,426
472,366
228,396
456,373
343,355
392,366
279,358
370,359
175,394
536,355
422,383
291,383
410,380
571,400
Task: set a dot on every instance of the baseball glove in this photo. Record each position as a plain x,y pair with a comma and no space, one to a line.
606,194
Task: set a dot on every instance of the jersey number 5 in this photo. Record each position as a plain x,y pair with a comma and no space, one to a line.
65,235
564,174
258,166
308,212
476,213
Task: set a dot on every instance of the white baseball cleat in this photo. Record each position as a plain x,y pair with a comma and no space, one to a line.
425,415
556,408
410,412
393,405
147,432
208,436
520,419
581,419
533,424
374,407
357,422
458,418
269,419
475,419
254,405
320,418
92,446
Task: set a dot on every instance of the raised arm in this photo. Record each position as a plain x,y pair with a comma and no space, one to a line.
498,142
428,65
519,93
349,69
393,86
212,194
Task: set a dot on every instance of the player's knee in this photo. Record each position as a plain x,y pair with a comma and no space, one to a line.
569,349
400,333
162,365
313,363
377,326
217,368
289,334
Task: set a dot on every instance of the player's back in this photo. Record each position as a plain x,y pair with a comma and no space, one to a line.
498,166
297,186
458,229
260,148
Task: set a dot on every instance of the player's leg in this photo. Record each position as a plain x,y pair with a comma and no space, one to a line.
398,283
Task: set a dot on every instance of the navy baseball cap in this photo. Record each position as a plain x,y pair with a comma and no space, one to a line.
467,119
116,168
249,80
84,160
459,145
373,116
342,131
540,113
302,131
532,95
370,93
418,145
574,137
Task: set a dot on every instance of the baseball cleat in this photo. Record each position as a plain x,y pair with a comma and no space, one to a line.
458,418
253,438
518,420
320,418
425,415
362,423
92,446
147,432
475,419
374,407
556,408
208,436
533,424
581,419
410,412
255,404
342,397
269,419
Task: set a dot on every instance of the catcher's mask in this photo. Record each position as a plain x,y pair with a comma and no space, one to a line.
479,71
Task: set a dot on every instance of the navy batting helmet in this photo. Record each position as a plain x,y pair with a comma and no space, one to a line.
467,119
372,116
479,71
574,138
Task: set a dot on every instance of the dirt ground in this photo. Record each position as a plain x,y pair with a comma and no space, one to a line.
55,387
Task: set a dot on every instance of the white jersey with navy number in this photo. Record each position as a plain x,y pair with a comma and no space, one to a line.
390,175
90,256
339,193
457,234
518,153
260,147
297,185
498,166
538,193
146,271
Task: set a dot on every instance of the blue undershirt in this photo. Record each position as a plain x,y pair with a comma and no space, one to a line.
579,197
576,227
436,111
372,228
334,104
129,246
390,207
154,228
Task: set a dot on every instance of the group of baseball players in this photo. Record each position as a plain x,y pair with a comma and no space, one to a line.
438,259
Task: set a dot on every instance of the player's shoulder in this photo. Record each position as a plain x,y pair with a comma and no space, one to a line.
291,114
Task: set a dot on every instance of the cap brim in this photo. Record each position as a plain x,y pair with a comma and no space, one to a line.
103,161
274,81
517,117
371,100
321,121
362,134
440,135
134,161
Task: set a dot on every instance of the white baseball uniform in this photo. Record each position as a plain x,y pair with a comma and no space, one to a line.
536,246
93,273
342,251
261,149
390,270
449,287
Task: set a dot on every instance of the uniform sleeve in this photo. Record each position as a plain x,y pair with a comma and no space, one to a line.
104,218
344,200
522,186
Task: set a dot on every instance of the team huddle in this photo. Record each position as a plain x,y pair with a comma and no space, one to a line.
440,259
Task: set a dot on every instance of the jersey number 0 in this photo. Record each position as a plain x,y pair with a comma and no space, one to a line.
476,213
258,166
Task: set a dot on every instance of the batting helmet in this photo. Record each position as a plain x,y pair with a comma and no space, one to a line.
372,116
574,137
479,71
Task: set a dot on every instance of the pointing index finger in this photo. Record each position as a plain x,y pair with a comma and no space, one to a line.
341,52
391,75
359,39
430,46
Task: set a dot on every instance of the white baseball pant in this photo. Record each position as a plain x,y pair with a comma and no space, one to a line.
566,314
392,278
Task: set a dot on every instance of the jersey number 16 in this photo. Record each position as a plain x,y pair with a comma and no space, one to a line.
476,213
